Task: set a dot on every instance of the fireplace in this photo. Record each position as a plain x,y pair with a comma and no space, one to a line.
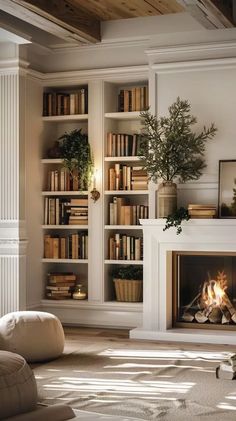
204,290
179,268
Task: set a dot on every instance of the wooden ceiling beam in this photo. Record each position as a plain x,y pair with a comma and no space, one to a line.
67,15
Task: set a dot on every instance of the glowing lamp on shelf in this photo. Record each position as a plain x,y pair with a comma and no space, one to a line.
95,193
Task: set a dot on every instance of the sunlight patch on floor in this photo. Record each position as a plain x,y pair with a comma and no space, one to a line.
166,354
225,405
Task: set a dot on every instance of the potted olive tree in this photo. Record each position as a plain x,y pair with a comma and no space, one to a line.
171,151
128,282
76,153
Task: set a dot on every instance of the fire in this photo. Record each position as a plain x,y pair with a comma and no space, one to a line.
214,294
214,290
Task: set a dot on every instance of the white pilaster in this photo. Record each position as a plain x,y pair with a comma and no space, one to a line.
12,232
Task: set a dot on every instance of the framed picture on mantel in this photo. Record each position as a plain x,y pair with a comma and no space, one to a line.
227,188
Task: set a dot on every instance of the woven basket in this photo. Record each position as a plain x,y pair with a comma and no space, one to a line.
128,290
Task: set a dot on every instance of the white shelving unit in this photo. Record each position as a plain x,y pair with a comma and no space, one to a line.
119,123
101,307
53,127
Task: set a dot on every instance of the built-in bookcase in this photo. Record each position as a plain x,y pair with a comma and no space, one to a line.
121,167
65,245
102,116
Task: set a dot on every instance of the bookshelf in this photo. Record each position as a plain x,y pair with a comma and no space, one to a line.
121,128
93,270
65,241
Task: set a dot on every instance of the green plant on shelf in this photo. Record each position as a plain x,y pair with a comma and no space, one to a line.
128,272
77,156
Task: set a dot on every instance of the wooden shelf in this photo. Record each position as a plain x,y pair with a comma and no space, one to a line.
131,115
71,261
125,192
121,158
123,227
65,227
65,193
52,161
64,118
123,262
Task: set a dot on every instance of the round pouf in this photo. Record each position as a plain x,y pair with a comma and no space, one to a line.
18,390
35,335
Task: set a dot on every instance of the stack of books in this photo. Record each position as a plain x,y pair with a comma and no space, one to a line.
227,369
139,179
60,285
78,212
73,246
60,103
125,247
202,211
119,144
133,99
121,213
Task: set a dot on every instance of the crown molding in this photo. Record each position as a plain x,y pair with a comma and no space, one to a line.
72,77
14,65
193,65
192,52
63,48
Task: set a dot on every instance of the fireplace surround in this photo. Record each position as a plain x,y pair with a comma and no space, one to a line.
212,240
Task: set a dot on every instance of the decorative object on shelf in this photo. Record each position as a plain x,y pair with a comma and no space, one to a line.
176,218
227,189
95,193
169,149
199,211
128,281
77,156
80,292
55,151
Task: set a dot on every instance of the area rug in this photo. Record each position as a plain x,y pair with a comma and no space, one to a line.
145,382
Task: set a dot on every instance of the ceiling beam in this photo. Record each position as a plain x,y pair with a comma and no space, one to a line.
57,17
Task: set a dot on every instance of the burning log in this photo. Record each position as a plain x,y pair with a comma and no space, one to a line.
213,303
188,317
226,317
230,307
216,315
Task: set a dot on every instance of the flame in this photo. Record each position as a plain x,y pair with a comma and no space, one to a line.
214,293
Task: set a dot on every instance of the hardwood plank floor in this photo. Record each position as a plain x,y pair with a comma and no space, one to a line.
87,334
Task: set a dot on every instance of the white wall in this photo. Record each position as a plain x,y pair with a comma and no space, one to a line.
212,95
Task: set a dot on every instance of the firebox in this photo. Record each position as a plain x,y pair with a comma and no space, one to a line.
204,290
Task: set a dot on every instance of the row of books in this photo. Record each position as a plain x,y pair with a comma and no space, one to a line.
125,247
133,99
73,246
61,103
119,144
62,180
125,177
121,213
60,286
200,211
60,211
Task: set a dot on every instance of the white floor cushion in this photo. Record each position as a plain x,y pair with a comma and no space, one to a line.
18,389
36,335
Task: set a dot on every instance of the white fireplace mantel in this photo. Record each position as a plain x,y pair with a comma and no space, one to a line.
207,235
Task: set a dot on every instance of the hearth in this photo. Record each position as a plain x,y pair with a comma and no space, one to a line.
204,290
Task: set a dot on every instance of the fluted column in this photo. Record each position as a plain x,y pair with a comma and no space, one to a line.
12,235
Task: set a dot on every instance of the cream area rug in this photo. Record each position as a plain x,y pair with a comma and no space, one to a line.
144,381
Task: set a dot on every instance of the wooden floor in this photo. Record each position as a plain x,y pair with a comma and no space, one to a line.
76,334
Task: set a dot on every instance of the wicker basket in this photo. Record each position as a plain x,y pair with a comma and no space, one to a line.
128,290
